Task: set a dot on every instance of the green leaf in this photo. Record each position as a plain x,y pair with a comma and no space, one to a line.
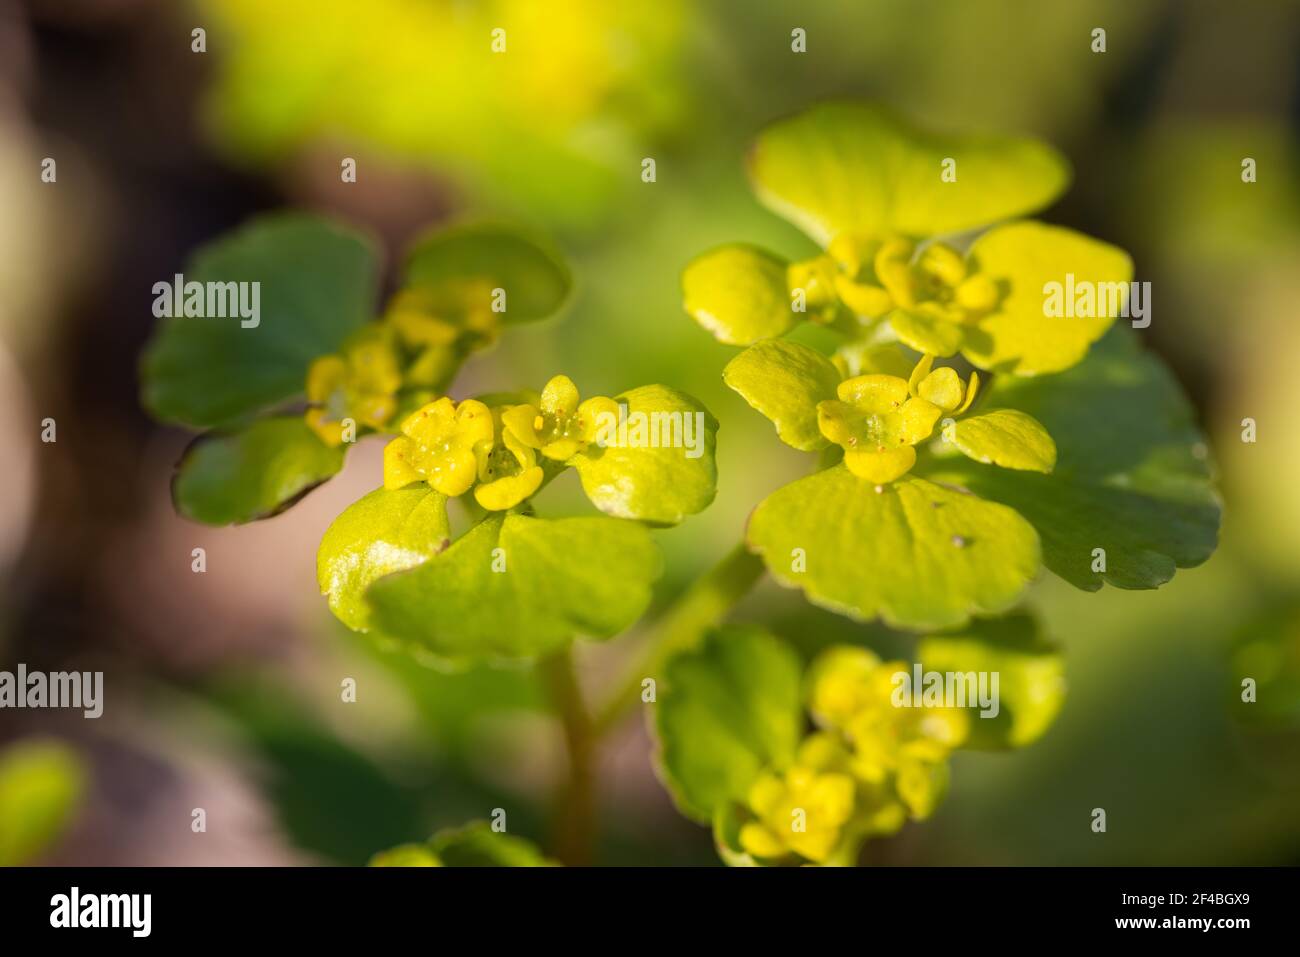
1020,335
855,167
725,712
535,278
784,381
561,579
382,533
317,286
474,845
914,553
329,798
739,294
477,845
256,472
1267,651
406,855
635,479
41,784
1132,476
728,818
1030,670
1007,438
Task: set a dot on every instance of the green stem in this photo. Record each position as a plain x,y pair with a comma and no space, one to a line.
704,604
576,812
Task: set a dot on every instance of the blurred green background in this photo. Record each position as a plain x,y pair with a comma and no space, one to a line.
223,688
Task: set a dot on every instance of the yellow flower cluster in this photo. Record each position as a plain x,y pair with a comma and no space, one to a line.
458,446
561,425
873,276
878,418
869,767
425,334
360,384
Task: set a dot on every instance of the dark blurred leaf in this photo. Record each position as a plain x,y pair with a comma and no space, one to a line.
252,473
332,799
535,279
317,286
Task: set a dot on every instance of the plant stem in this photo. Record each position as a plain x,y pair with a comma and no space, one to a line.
576,812
704,604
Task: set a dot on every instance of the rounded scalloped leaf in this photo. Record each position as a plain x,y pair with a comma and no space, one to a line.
1007,438
474,845
1020,336
518,587
316,287
727,821
855,167
477,845
725,712
534,276
1030,670
739,294
916,554
253,473
660,472
1133,492
382,533
784,381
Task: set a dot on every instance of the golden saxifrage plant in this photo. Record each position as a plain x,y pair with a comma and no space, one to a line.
963,436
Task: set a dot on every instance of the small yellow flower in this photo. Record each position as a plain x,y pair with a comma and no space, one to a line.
802,811
564,425
877,275
360,384
858,283
943,387
878,418
508,471
877,422
440,444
